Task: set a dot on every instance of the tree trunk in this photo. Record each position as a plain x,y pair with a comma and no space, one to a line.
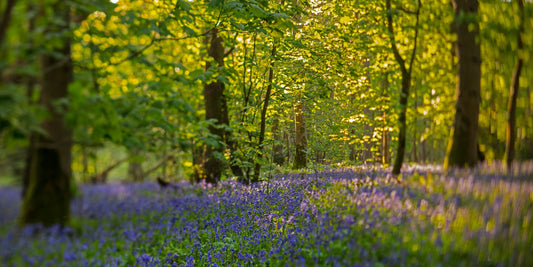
135,171
368,131
214,109
257,167
462,148
406,84
277,148
300,153
48,195
513,95
415,128
402,121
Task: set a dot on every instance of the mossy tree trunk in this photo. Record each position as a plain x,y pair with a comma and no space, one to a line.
513,95
462,148
48,193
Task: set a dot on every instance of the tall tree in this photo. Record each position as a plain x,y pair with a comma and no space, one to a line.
214,101
462,148
406,70
47,198
513,95
300,151
278,156
257,167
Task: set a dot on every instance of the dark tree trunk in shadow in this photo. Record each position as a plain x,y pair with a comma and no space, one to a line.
215,107
462,148
48,193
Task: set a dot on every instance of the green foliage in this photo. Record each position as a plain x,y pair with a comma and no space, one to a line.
140,65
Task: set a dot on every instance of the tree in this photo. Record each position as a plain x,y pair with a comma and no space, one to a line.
257,167
214,101
406,71
513,95
300,150
462,147
48,195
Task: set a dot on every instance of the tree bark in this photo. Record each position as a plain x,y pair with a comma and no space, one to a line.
513,95
406,83
462,148
300,153
47,198
214,109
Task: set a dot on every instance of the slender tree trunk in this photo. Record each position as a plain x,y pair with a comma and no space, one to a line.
257,167
406,83
513,95
402,121
462,148
368,131
47,198
277,148
300,154
415,130
289,141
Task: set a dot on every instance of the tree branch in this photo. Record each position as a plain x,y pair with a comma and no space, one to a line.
394,48
413,53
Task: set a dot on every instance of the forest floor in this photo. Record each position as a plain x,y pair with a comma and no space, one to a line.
334,217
